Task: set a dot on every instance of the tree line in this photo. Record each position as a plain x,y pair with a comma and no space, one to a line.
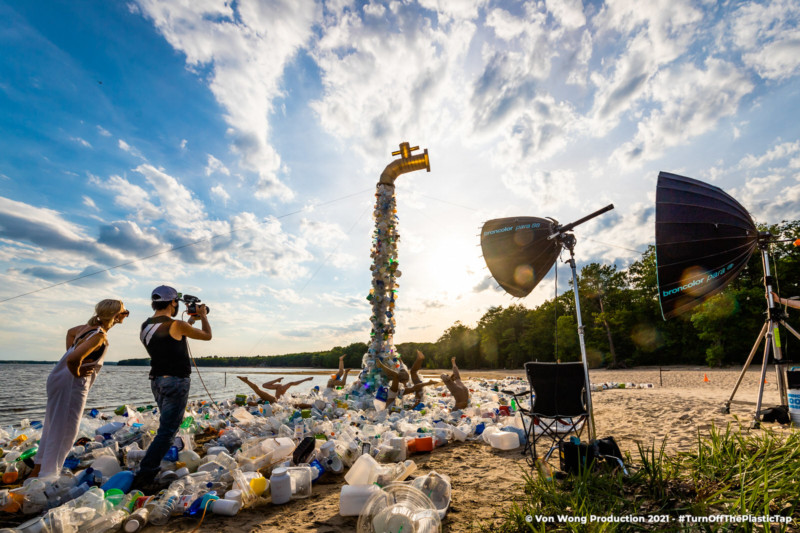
622,323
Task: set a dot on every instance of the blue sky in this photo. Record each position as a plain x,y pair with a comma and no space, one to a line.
260,130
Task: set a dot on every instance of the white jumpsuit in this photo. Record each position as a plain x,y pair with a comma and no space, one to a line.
66,399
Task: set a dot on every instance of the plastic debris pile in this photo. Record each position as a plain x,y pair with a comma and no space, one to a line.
241,453
383,293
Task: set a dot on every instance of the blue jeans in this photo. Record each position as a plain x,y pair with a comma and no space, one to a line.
171,394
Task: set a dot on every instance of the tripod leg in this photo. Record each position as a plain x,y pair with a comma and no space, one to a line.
790,329
727,408
757,416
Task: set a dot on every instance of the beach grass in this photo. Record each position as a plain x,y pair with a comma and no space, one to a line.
734,472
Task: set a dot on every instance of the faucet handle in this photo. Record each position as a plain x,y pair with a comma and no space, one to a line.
405,150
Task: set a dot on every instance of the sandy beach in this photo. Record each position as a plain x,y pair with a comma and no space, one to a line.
485,482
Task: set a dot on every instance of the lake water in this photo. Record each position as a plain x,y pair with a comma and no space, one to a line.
23,387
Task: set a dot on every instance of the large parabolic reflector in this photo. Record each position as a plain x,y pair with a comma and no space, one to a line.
518,252
703,239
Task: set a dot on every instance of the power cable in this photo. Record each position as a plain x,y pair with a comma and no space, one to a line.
180,247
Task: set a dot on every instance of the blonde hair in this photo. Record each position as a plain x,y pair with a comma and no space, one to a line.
104,312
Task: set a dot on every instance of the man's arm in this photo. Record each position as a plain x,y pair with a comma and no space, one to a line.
786,301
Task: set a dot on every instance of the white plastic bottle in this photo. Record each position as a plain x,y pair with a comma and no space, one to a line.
281,486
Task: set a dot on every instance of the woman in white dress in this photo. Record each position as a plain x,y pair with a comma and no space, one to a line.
69,383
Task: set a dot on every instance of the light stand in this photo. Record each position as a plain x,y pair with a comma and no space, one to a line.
769,331
567,240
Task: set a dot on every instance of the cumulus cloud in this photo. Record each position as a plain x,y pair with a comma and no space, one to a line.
128,237
244,245
385,76
215,165
245,46
691,101
91,276
767,36
219,192
323,234
48,229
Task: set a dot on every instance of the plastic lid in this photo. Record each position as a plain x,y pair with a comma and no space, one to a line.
280,471
132,525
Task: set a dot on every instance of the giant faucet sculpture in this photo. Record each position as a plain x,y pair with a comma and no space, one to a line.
383,294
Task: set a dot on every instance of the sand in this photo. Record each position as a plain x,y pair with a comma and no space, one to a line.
485,481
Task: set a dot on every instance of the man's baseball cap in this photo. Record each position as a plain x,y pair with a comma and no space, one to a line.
164,293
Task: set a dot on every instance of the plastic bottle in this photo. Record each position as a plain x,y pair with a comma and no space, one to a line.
162,510
281,486
136,521
107,522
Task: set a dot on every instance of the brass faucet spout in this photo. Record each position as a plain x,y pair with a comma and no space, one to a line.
406,163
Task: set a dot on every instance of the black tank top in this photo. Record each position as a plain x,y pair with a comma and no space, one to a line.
168,357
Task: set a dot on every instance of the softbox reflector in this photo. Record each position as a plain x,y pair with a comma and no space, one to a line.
518,253
703,239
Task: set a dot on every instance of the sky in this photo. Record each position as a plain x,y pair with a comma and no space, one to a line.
247,138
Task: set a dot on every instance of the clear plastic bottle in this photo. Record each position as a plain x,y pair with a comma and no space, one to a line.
107,522
163,508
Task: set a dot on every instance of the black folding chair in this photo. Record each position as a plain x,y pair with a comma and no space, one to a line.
557,400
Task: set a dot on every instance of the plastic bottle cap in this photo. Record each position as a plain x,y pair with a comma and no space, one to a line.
132,525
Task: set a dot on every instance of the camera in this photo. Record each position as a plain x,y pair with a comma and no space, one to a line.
191,304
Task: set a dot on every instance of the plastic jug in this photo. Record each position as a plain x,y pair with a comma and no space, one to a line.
504,440
107,465
363,471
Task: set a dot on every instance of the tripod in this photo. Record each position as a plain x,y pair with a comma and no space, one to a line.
769,331
567,240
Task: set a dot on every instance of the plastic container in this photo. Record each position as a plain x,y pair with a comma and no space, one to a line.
793,394
436,487
242,483
363,471
301,481
136,521
423,444
504,440
280,486
107,465
120,480
214,450
225,507
353,498
280,447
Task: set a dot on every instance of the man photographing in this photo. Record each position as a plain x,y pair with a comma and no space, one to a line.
165,340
